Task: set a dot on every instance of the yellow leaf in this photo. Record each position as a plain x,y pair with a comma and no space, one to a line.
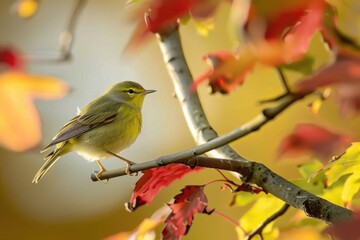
244,198
315,106
204,26
26,8
334,192
343,176
262,209
348,163
20,126
351,187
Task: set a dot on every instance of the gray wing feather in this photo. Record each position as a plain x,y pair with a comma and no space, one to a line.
80,125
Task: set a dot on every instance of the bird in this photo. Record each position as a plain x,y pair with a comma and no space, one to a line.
102,129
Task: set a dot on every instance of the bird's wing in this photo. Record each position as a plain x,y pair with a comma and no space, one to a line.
82,124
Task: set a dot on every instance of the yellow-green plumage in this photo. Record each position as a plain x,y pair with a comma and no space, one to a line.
110,123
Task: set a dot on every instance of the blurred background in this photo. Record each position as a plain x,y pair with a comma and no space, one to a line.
66,204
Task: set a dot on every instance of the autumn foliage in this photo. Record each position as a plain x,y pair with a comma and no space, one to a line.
276,35
20,126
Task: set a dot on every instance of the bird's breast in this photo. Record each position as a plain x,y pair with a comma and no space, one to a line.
114,137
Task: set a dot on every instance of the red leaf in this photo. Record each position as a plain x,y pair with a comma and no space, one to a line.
344,69
319,141
346,230
226,71
348,97
159,16
11,58
192,200
205,8
285,39
154,180
345,73
245,187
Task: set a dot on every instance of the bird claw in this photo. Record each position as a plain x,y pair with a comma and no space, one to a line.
97,175
127,170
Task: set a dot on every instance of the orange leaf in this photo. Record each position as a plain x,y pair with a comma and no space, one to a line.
285,39
19,119
226,71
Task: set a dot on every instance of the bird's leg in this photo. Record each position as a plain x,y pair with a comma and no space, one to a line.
128,162
102,170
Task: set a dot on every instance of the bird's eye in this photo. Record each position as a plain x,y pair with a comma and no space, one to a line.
131,91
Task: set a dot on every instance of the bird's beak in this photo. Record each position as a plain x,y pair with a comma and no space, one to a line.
148,91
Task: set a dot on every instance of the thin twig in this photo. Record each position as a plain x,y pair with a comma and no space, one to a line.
221,180
283,80
66,40
284,84
226,178
260,228
228,219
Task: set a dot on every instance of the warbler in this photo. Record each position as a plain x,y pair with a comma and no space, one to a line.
103,128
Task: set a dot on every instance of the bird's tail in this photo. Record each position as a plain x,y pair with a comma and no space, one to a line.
50,160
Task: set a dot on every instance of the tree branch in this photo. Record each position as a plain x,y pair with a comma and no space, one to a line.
255,124
260,228
254,173
179,71
227,158
66,40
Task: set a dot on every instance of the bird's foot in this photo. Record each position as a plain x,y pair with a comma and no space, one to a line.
102,170
97,175
127,170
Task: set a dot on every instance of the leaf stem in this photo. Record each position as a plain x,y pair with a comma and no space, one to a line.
283,80
228,219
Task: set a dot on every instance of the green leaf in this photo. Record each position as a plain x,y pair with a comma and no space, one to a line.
307,170
315,185
304,66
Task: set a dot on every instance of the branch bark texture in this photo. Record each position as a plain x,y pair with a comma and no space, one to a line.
170,44
224,157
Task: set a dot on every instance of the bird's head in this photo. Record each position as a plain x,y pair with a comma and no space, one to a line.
129,92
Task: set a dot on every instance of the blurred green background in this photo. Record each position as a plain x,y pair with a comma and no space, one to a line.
66,204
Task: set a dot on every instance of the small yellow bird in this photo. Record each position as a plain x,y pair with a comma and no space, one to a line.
104,127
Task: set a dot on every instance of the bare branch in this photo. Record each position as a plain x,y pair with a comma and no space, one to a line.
254,173
227,158
251,126
66,40
179,71
260,228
